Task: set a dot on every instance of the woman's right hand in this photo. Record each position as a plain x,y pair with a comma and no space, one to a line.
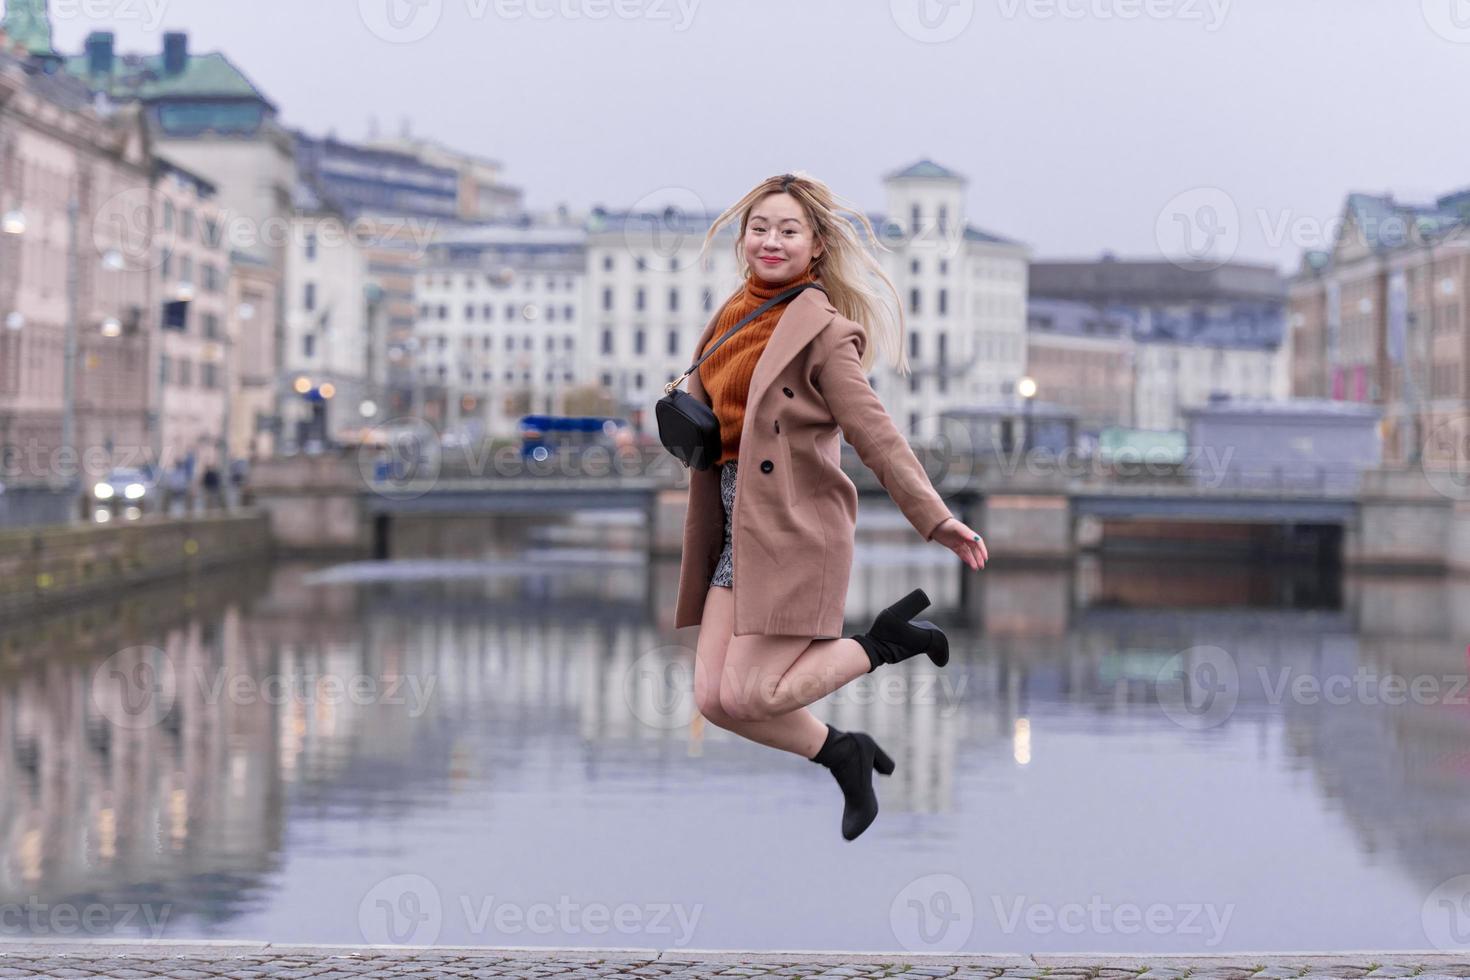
963,541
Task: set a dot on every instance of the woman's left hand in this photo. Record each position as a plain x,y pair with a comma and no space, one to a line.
955,536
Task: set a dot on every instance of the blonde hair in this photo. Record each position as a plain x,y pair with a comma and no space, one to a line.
846,269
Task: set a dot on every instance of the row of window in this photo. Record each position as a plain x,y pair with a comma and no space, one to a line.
640,299
486,312
441,342
178,372
495,282
210,279
183,221
468,377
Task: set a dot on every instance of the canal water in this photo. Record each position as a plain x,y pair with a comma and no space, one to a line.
492,740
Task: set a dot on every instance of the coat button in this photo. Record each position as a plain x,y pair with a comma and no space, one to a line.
788,392
767,466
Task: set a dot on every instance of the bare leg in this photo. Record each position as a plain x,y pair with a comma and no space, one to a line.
780,674
797,731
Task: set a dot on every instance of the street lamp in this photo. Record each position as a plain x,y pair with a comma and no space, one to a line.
1026,388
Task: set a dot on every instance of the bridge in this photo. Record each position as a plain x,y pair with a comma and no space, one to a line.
1388,518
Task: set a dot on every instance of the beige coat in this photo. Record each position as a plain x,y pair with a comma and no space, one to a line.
795,510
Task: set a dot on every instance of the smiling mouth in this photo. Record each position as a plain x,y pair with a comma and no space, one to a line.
771,259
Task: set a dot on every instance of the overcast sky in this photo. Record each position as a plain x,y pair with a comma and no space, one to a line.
1083,125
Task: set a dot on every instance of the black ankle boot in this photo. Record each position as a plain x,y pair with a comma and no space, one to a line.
893,638
852,757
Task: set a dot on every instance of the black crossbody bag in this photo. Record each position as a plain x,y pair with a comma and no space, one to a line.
687,426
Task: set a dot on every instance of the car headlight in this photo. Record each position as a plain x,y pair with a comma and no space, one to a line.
134,491
102,491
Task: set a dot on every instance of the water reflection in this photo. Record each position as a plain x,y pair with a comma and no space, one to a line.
293,752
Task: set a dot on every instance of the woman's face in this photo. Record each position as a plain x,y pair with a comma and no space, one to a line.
779,243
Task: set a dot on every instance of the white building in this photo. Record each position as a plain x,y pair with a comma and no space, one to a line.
1173,377
964,296
332,337
499,317
648,298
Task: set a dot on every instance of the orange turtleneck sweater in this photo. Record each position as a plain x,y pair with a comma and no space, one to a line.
726,373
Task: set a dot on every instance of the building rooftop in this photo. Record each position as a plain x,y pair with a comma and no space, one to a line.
1323,407
924,169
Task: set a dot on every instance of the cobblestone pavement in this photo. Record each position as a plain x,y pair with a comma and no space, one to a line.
247,961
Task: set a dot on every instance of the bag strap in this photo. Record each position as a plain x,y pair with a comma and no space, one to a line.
773,301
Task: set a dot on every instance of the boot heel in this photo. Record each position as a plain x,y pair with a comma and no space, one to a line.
910,605
882,762
938,643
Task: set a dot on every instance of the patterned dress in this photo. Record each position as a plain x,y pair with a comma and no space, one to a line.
725,568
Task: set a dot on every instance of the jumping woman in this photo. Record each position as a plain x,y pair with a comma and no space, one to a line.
768,538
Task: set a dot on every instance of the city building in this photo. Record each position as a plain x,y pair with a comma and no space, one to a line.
207,117
1082,359
1190,333
963,291
499,322
254,289
482,194
194,320
1379,319
332,330
396,204
76,335
647,298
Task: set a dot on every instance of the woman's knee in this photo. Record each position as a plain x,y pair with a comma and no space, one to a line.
745,702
